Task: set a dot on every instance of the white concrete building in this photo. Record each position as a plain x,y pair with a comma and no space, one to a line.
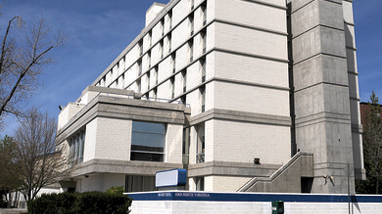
212,86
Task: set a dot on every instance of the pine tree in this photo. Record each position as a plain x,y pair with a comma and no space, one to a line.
372,142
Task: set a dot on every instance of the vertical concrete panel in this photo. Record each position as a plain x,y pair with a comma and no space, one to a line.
179,34
156,32
174,143
164,69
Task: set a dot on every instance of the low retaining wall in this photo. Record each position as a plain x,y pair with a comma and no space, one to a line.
171,202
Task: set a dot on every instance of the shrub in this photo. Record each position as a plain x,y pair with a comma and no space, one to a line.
80,203
115,190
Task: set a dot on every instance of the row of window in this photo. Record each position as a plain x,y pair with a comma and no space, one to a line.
154,74
76,146
119,81
147,143
139,183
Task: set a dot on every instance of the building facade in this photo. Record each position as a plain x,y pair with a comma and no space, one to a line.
247,95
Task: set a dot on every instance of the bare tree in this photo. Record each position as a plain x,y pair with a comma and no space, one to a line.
24,51
39,162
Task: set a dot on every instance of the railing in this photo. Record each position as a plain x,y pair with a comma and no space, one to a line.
200,158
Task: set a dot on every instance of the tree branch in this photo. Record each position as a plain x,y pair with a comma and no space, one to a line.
21,76
3,51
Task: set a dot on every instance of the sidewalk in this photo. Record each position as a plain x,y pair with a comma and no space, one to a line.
12,211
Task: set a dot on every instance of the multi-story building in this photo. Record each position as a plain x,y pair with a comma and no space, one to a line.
248,95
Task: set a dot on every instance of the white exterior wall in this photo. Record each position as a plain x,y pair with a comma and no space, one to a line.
252,14
90,140
250,41
227,183
67,113
248,69
251,99
242,142
113,139
231,207
179,34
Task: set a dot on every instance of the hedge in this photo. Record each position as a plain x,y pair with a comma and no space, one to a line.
80,203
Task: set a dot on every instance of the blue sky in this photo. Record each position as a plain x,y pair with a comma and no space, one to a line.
98,30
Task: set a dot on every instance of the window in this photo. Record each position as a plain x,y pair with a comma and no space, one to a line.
139,183
162,26
150,38
169,42
140,47
172,86
123,81
161,49
191,50
200,144
139,64
191,23
147,141
170,19
156,75
183,99
155,94
148,80
203,69
204,41
138,85
103,81
184,77
204,12
202,91
173,61
149,58
76,145
186,145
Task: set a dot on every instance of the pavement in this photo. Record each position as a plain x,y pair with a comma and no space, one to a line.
13,211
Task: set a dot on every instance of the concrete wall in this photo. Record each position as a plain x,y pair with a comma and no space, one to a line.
207,202
322,97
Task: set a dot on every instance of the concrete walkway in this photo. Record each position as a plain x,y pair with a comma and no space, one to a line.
12,211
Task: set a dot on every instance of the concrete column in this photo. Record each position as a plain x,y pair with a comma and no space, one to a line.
320,88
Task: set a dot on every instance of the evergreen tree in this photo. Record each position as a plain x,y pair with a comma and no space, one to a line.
372,146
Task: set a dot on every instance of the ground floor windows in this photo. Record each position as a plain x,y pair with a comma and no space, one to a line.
138,183
147,141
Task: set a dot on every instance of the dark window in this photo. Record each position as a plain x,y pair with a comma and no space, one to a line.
147,141
76,145
138,183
